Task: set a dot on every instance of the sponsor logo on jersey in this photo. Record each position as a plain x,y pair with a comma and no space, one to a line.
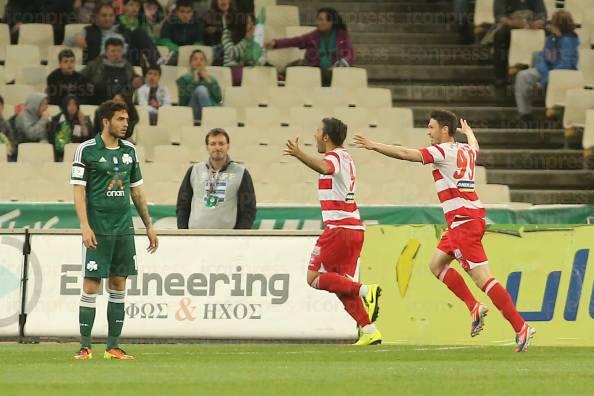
116,186
465,185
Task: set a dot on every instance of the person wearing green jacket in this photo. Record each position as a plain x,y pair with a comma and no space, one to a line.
198,88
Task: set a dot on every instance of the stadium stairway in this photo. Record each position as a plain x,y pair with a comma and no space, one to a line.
411,47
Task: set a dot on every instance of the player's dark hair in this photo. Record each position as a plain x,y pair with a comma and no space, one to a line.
109,108
446,118
113,41
65,53
335,129
217,132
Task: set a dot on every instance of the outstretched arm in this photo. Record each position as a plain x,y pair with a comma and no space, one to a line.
397,152
467,130
316,164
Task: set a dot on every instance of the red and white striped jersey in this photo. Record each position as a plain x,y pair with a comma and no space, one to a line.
337,191
453,167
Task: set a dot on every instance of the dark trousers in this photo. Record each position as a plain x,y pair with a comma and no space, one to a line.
501,42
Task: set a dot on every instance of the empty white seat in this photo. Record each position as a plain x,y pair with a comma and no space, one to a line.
4,40
16,94
19,55
241,98
39,34
174,118
524,42
219,117
395,117
35,153
149,137
192,138
577,102
483,12
169,76
259,77
303,77
493,193
69,150
282,15
284,98
168,154
349,77
306,119
33,75
356,118
222,75
559,82
373,98
588,137
327,99
586,66
263,117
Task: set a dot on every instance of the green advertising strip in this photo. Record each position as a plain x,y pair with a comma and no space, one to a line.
18,215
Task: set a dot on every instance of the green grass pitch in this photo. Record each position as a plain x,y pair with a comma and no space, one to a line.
303,369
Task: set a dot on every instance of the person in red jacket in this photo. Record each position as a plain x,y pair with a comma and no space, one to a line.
327,47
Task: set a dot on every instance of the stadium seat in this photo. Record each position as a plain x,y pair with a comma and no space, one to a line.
8,110
577,101
4,40
69,150
54,50
157,173
39,34
162,193
33,75
551,7
53,110
56,172
373,98
70,32
13,172
586,66
577,8
89,111
259,77
294,31
219,117
3,153
480,175
395,118
143,115
241,98
222,74
151,136
42,191
350,78
559,82
185,51
524,42
303,77
356,119
588,137
16,94
168,154
245,136
35,153
259,4
307,119
169,76
280,58
412,137
193,138
584,35
19,55
493,193
174,118
282,15
284,98
483,12
258,154
263,117
327,99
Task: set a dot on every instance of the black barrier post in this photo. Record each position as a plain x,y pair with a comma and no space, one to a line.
24,281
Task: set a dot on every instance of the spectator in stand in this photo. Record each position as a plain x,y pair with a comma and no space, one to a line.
65,80
220,15
247,52
327,47
129,20
181,28
513,14
151,95
69,126
111,73
137,45
217,193
133,117
198,88
84,10
151,17
561,51
55,12
31,124
6,132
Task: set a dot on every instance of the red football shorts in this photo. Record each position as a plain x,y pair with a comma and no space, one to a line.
337,250
465,244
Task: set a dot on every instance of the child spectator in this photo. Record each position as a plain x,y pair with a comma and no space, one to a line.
247,52
31,123
69,126
129,19
181,28
151,95
65,80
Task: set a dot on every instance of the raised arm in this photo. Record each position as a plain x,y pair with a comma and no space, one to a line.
397,152
316,164
467,130
139,200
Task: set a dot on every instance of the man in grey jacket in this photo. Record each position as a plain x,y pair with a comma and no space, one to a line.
31,124
217,193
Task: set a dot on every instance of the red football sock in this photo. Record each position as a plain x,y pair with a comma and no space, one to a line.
502,300
456,284
337,284
354,306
